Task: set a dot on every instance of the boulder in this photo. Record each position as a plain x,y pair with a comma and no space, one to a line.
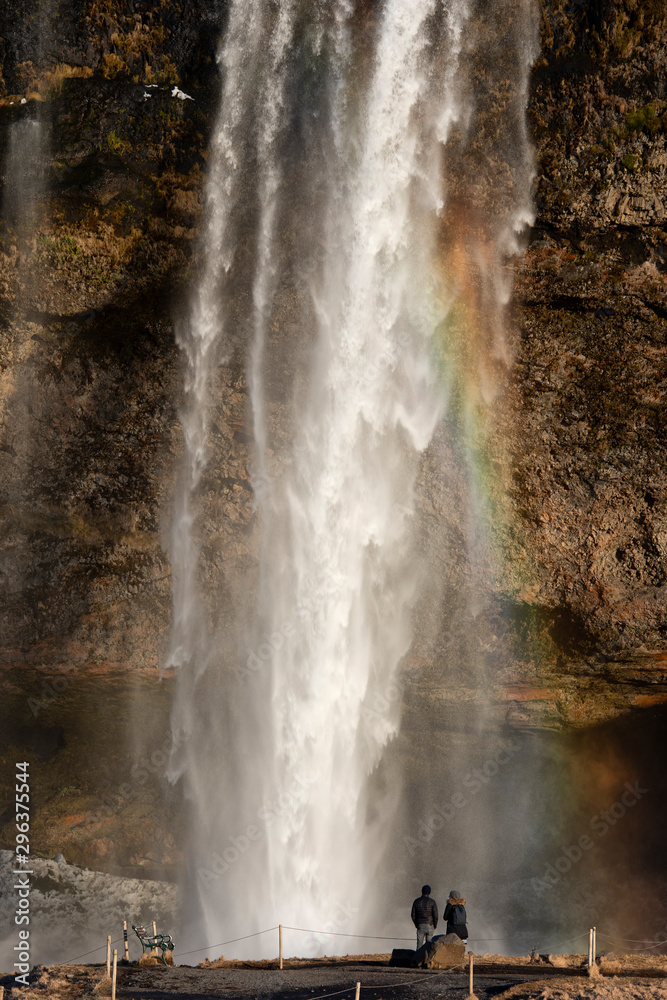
444,952
406,958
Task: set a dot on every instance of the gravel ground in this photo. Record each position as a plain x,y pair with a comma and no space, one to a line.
301,984
315,982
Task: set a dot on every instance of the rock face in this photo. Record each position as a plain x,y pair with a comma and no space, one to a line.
589,481
571,622
141,41
73,909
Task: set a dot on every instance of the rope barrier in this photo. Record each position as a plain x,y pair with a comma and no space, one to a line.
306,930
245,937
369,937
612,937
348,989
486,940
378,937
391,986
91,952
644,945
650,947
410,982
583,934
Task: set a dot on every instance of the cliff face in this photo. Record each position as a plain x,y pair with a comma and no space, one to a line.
589,481
136,40
573,618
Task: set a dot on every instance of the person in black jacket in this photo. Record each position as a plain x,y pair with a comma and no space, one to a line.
455,915
424,916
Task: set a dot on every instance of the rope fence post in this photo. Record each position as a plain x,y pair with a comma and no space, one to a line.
470,992
126,954
358,991
280,945
108,955
595,944
113,980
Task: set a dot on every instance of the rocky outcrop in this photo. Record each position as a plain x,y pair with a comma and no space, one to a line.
588,482
72,910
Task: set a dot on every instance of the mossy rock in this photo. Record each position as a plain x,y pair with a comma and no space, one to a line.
631,162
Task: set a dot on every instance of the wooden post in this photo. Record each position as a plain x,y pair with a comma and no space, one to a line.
358,991
590,947
126,954
595,944
280,945
2,993
154,950
470,993
113,980
108,955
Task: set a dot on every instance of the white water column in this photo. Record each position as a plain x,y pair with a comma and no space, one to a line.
276,750
339,562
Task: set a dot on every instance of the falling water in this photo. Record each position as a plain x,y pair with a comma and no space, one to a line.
332,138
27,148
24,173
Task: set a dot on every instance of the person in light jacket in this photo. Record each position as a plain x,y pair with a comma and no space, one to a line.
455,915
424,916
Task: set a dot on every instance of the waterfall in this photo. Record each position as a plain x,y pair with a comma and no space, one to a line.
329,244
24,171
27,150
